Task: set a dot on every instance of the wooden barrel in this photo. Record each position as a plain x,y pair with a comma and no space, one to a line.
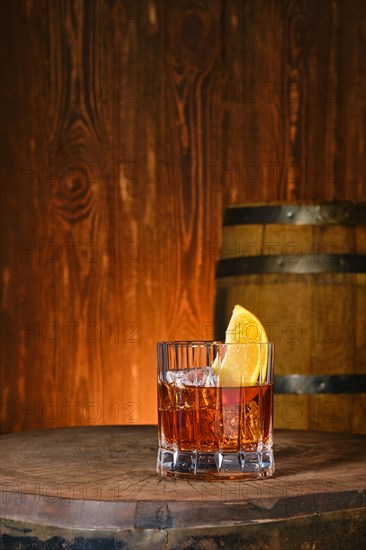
301,269
96,488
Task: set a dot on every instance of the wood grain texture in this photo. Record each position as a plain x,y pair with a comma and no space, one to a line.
189,194
101,483
292,76
121,462
128,126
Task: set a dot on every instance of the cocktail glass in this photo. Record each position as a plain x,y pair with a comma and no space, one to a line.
209,429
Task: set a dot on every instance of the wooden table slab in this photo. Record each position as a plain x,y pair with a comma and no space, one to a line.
96,486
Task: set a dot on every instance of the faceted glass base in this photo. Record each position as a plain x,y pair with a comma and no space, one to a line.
219,465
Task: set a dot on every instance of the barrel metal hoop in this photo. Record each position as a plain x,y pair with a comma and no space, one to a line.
333,383
306,263
298,214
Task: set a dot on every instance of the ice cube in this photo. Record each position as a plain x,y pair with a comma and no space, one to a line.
211,378
175,377
202,376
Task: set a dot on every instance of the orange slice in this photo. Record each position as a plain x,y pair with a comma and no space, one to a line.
242,365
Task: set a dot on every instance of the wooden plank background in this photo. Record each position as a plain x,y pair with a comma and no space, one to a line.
128,125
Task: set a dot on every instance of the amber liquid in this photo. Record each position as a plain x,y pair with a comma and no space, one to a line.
212,419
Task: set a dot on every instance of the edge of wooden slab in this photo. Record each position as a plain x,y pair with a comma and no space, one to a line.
338,530
82,514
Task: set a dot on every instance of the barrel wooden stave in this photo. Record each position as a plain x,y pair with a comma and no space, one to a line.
330,412
291,240
310,317
317,320
315,315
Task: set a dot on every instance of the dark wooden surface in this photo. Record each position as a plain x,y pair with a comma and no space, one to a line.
101,482
127,127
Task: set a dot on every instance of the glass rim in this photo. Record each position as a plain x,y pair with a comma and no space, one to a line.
204,343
